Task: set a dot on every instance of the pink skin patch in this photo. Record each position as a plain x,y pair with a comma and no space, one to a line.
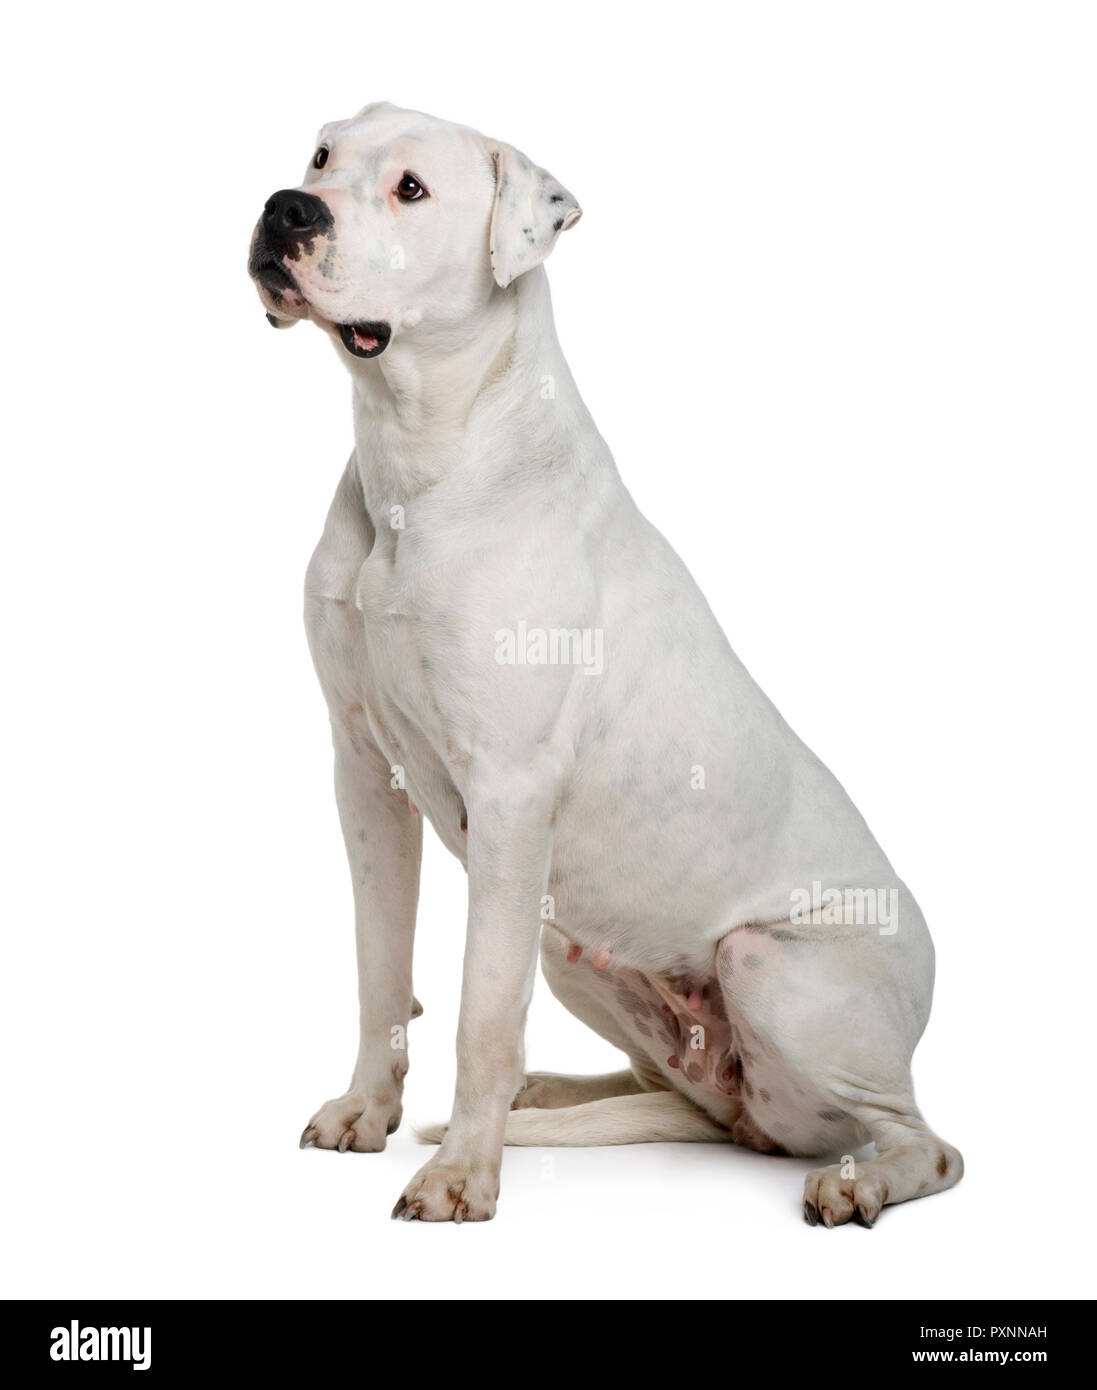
573,953
687,1018
602,959
414,808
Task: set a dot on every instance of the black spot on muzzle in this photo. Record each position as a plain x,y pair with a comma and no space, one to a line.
289,226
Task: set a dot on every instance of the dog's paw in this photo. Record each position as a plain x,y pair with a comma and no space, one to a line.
359,1122
832,1199
449,1191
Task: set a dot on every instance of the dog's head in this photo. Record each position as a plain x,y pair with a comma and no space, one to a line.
402,221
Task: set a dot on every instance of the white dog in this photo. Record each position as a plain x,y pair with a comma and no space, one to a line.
509,647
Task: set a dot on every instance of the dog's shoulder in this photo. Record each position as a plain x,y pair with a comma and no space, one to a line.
347,540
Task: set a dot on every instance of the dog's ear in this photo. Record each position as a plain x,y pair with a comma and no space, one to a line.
530,211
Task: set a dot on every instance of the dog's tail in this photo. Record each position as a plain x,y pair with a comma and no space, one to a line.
651,1117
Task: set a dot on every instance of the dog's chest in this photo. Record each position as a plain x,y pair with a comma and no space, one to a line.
405,673
377,641
397,652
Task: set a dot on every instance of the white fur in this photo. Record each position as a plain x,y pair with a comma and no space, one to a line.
651,1118
480,497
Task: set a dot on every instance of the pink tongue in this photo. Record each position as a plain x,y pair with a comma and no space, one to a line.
364,341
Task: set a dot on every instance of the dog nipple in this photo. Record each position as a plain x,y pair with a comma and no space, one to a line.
573,953
414,808
695,1000
602,959
673,1062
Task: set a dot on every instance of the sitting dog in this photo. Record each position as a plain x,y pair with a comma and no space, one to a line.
508,647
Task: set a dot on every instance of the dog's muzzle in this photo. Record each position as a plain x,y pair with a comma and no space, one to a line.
287,230
289,226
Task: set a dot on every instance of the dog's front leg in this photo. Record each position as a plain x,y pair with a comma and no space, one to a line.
384,844
508,852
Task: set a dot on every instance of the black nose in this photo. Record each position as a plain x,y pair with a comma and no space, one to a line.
292,218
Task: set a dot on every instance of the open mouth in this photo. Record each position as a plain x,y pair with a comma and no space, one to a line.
365,339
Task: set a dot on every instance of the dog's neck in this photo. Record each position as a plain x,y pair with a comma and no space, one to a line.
415,406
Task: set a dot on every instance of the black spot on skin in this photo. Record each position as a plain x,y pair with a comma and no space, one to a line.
557,198
832,1116
272,321
763,1094
942,1165
273,276
557,224
288,228
748,1088
784,936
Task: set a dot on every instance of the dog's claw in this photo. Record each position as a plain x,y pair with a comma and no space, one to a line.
308,1137
346,1140
398,1209
863,1217
811,1214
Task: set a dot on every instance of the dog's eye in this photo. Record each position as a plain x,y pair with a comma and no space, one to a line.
320,158
409,189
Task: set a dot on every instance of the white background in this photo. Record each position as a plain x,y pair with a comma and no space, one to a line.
833,304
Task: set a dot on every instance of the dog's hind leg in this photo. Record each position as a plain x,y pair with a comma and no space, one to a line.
650,1117
548,1090
911,1161
829,1018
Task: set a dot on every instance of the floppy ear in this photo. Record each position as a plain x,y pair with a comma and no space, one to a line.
530,211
